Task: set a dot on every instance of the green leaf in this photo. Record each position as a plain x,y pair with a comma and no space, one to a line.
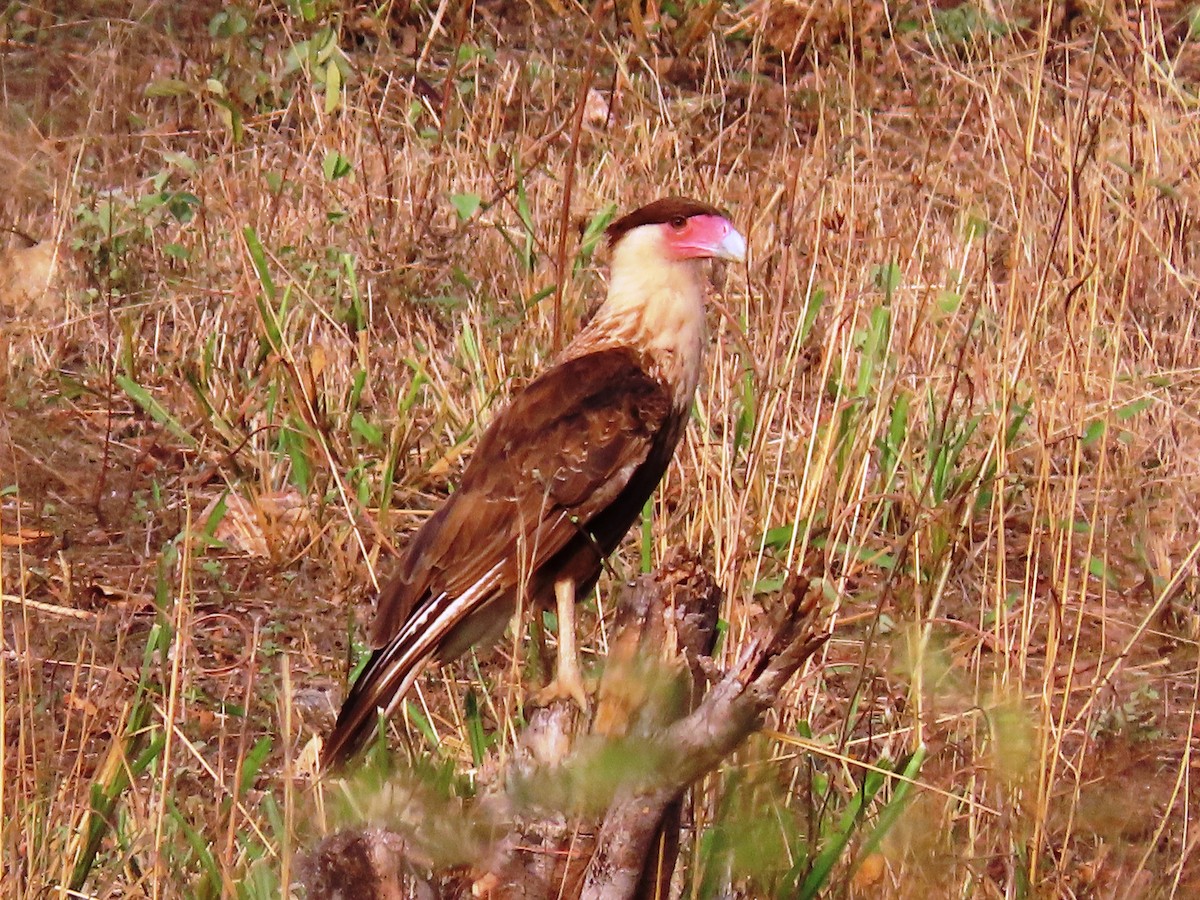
180,161
770,584
865,555
1094,431
744,427
215,517
886,277
1098,570
812,306
154,409
539,296
909,768
977,225
779,537
475,733
333,88
357,385
948,302
1131,409
874,349
258,256
232,117
253,763
851,817
229,22
594,233
898,425
466,205
182,205
365,430
295,444
418,719
167,87
336,166
201,847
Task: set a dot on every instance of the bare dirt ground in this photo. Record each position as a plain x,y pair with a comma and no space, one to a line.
295,253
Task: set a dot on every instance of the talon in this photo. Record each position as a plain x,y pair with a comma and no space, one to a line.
564,687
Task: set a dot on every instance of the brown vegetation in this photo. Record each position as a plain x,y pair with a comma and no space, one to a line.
305,248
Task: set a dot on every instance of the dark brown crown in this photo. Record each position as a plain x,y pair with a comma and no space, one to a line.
656,213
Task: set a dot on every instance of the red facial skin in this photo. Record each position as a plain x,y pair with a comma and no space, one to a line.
698,237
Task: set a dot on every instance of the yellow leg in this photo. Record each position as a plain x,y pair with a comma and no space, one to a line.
568,680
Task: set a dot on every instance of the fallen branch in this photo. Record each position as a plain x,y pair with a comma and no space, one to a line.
597,816
698,743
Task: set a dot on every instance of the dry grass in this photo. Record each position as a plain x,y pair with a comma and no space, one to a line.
970,397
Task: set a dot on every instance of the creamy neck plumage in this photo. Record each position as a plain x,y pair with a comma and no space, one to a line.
656,305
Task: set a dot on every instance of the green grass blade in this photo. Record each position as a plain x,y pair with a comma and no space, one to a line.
155,410
909,768
828,857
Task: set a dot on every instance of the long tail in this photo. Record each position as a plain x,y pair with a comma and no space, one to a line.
384,681
394,667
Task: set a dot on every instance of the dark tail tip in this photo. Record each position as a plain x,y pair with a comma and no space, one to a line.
351,733
379,687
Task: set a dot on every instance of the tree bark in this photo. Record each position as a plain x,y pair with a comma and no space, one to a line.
597,816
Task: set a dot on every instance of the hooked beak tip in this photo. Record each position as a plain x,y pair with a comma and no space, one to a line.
732,246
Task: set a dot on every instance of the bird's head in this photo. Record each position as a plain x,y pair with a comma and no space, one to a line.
676,228
655,298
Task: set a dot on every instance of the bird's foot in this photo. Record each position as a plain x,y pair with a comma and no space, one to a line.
568,679
566,685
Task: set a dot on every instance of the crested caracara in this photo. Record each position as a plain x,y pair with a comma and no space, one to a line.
561,473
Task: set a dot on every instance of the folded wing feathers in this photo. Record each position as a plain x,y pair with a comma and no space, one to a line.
557,457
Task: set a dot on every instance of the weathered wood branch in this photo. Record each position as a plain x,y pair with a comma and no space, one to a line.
697,743
597,816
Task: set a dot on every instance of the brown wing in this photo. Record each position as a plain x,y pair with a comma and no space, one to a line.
562,451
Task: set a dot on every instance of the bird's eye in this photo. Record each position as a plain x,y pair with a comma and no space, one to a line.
679,222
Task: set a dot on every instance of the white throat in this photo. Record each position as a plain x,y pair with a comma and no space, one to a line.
656,304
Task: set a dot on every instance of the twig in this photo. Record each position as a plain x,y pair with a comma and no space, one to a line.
564,217
64,611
